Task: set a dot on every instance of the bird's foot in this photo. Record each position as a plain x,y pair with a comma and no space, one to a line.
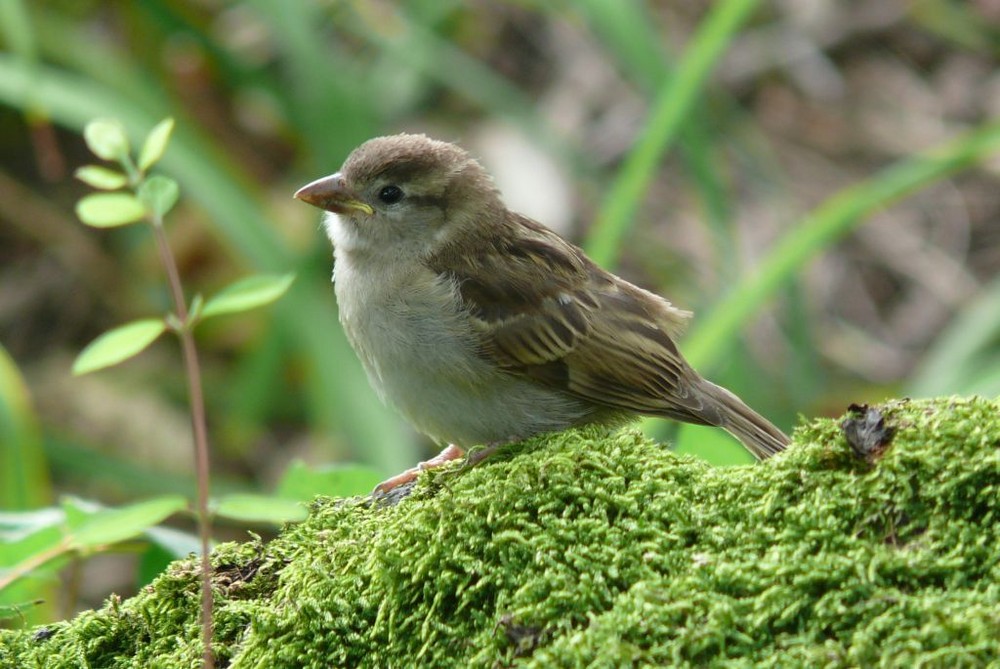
451,452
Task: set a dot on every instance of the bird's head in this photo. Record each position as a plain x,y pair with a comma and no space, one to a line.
406,193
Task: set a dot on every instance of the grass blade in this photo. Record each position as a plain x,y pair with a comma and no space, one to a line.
24,481
955,362
675,99
829,222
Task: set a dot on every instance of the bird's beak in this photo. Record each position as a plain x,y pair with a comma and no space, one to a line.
332,194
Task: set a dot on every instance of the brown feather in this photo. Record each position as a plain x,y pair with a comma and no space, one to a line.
537,300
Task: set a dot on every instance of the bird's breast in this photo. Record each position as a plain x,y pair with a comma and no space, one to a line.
408,329
416,342
402,318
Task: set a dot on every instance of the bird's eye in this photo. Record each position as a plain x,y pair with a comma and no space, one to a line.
391,194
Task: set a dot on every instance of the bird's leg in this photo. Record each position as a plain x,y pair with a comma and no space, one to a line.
451,452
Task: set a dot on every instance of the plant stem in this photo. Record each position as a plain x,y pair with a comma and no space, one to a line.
201,465
197,400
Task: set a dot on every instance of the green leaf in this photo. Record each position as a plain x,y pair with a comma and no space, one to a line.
260,509
32,541
108,210
15,524
101,177
159,194
24,471
153,561
76,511
37,553
248,293
119,344
174,542
712,444
303,483
106,138
197,305
17,609
155,144
109,526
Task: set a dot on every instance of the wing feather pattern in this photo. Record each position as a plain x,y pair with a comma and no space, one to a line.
549,313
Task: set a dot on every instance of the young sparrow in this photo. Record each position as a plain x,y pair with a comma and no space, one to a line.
483,326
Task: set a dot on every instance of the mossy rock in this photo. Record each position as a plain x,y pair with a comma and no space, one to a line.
605,550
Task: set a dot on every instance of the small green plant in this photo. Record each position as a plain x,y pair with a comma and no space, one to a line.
37,542
133,195
148,198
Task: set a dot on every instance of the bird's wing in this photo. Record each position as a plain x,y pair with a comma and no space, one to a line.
543,310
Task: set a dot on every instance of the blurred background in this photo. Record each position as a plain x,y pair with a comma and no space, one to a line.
798,174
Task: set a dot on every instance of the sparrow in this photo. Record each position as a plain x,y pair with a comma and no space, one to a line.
482,326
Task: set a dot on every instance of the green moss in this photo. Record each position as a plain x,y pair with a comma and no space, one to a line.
589,549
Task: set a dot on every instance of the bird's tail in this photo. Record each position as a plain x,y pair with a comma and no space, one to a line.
755,432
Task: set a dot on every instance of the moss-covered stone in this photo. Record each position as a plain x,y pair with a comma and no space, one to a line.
589,549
